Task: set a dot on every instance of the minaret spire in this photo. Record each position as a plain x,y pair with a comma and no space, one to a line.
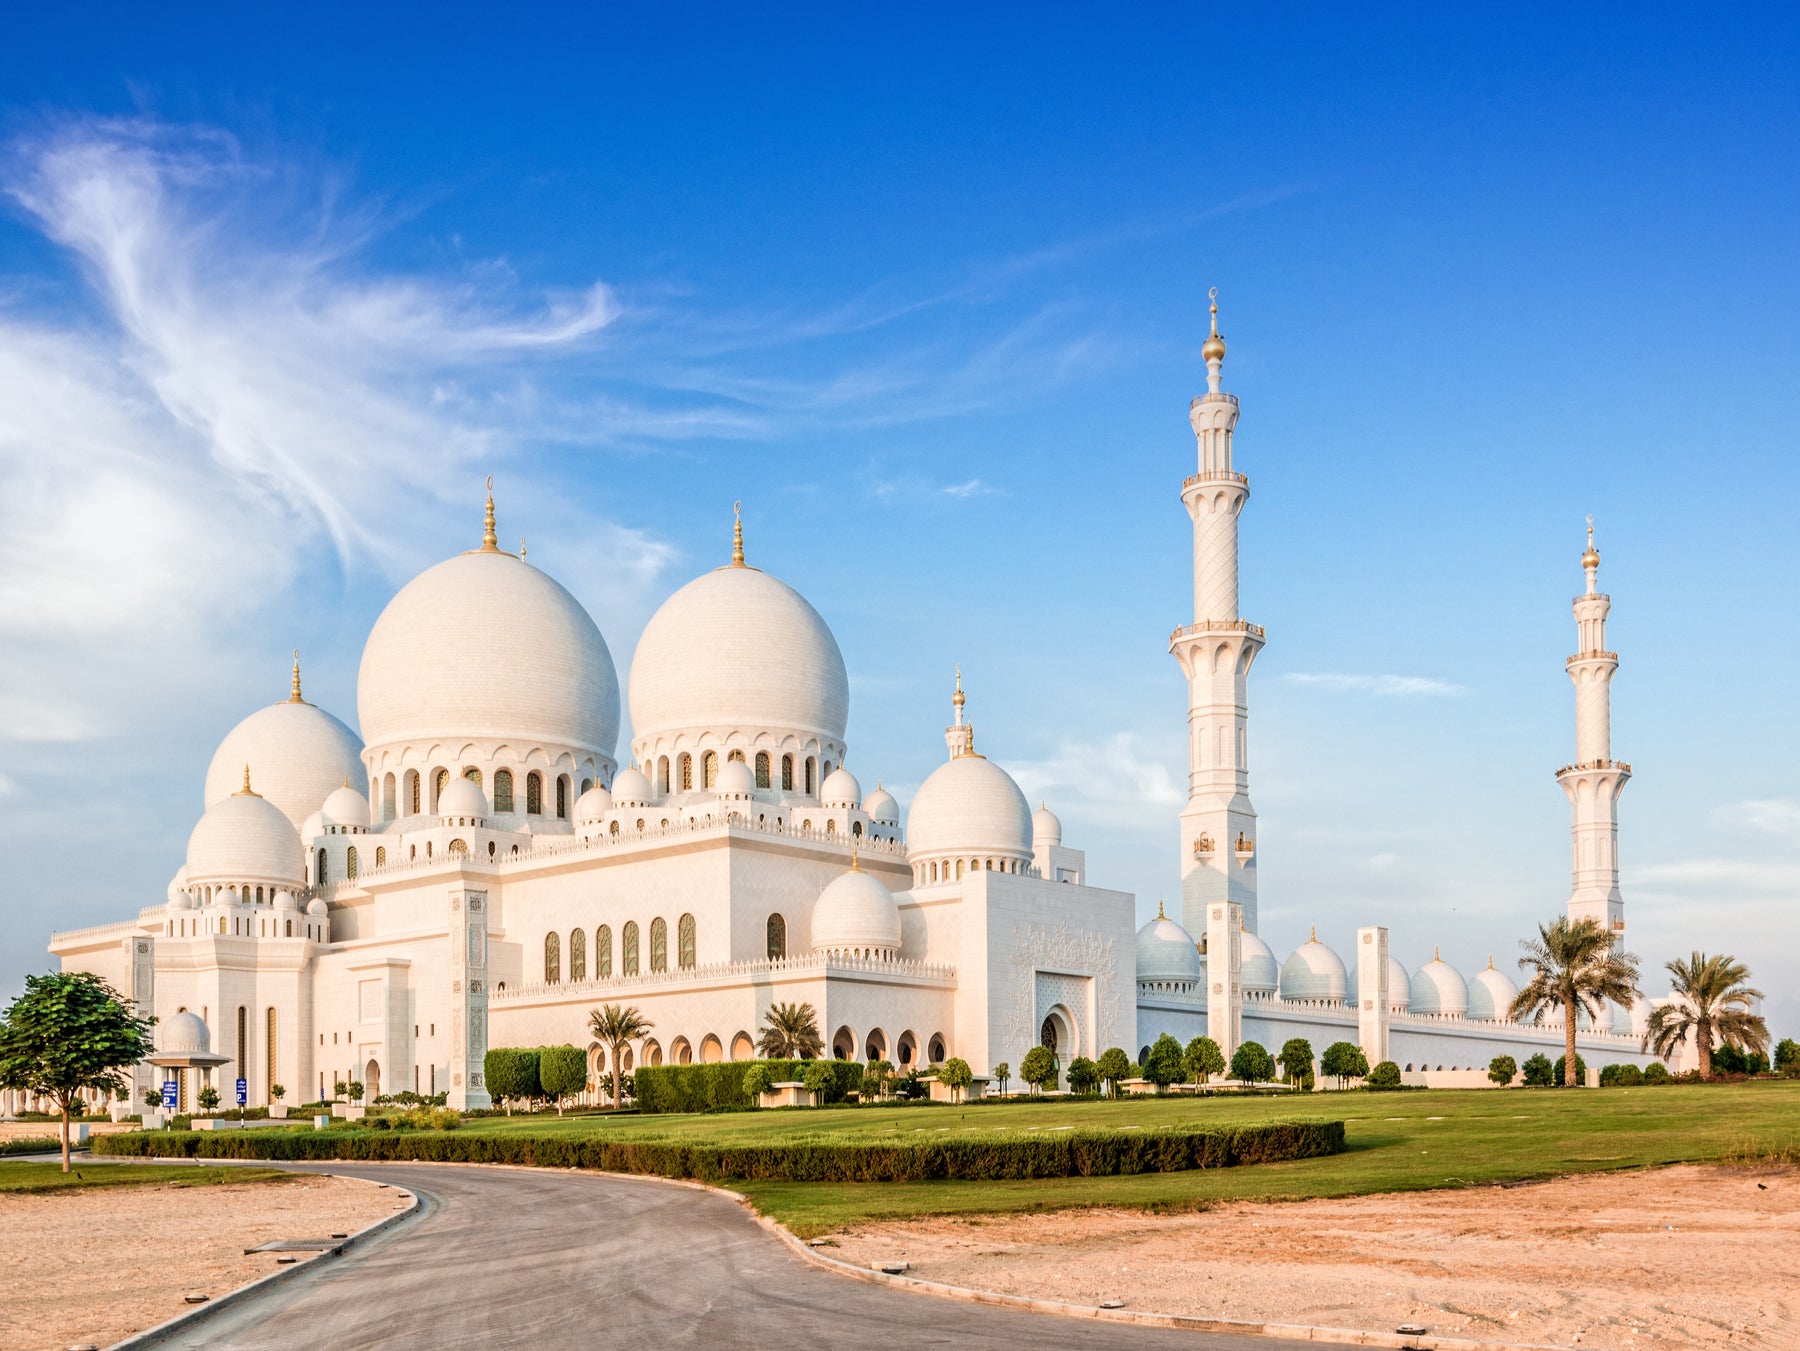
1218,825
737,534
490,542
1595,780
959,735
294,693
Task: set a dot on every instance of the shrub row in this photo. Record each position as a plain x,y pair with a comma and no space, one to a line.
720,1087
1093,1153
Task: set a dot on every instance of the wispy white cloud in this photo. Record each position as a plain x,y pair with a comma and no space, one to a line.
1385,686
1779,816
1122,781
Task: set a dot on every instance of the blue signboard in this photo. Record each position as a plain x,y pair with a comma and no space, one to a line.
169,1094
243,1090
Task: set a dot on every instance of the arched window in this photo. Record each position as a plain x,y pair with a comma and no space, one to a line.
1047,1036
491,849
812,775
503,790
259,889
380,855
628,963
777,938
562,797
709,769
472,774
438,780
684,940
856,829
428,849
290,929
959,867
787,773
586,784
349,871
603,951
936,1049
659,944
457,847
552,959
577,954
613,830
412,791
687,773
662,775
762,769
319,871
735,755
534,794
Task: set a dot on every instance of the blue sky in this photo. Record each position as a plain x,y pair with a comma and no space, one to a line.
927,291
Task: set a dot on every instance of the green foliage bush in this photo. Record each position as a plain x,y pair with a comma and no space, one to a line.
1296,1061
1084,1075
756,1082
1384,1078
1656,1073
1787,1056
1201,1059
562,1071
1113,1066
1556,1071
720,1087
820,1077
1621,1076
1537,1071
1038,1068
956,1074
1090,1153
1162,1066
1251,1063
1502,1069
1344,1060
511,1073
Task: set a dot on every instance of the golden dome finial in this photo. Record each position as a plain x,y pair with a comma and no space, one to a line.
1590,559
855,864
1490,961
1315,934
294,694
1435,955
247,790
1214,350
737,534
1159,909
490,542
957,698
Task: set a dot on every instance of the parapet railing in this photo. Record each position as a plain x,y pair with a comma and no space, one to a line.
1218,626
812,962
1215,476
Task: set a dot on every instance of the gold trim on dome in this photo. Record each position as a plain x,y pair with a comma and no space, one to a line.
737,534
1214,350
294,694
1590,559
246,790
490,541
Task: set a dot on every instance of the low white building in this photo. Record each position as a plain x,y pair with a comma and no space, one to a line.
475,869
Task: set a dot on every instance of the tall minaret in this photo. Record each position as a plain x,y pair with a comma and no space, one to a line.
1595,780
1218,825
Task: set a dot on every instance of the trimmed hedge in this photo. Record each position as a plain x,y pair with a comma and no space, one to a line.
1093,1153
720,1087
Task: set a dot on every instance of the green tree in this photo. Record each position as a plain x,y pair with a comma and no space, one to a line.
877,1076
67,1034
1114,1066
1297,1062
1575,969
1002,1073
1537,1071
615,1027
1713,1004
1162,1066
818,1078
355,1089
791,1032
1039,1067
757,1082
208,1098
1202,1059
338,1089
955,1075
153,1098
562,1072
1656,1073
1384,1078
277,1092
1502,1069
1787,1056
1343,1061
1559,1073
1084,1075
510,1073
1251,1063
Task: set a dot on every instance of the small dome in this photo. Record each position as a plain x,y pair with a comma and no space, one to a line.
630,788
1620,1019
969,805
462,798
286,900
312,828
856,913
177,885
317,906
245,838
881,808
1046,829
1313,972
346,807
840,789
297,754
1491,994
184,1034
1166,951
1438,989
593,804
735,780
180,900
1259,973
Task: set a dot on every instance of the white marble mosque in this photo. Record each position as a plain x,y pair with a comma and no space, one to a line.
475,867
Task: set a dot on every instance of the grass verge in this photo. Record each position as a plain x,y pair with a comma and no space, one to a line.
49,1177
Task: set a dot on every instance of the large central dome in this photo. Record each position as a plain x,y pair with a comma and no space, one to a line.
732,656
483,647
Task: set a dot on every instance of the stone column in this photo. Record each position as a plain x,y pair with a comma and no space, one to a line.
1372,994
468,998
1224,975
141,962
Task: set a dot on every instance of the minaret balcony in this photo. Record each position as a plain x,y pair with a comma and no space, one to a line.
1217,626
1584,766
1597,654
1215,476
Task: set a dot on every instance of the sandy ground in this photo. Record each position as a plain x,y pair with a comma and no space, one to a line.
96,1266
1680,1257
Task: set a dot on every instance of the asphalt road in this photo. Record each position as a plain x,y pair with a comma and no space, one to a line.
545,1260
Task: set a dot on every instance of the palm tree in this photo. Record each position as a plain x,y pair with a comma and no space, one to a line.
614,1027
792,1034
1712,1003
1576,970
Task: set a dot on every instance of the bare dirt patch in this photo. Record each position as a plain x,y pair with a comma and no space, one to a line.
1677,1257
96,1266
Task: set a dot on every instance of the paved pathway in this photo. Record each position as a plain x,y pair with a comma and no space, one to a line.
547,1260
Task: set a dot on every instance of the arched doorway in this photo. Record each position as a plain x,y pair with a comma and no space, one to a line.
843,1044
875,1048
742,1048
906,1052
1057,1035
371,1081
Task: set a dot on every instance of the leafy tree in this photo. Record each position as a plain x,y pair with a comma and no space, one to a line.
1621,1076
1297,1062
277,1092
615,1027
791,1032
1560,1076
1575,969
66,1034
153,1097
1162,1066
955,1075
1384,1078
1787,1056
877,1076
1502,1069
1002,1073
1343,1061
1712,1004
511,1075
1114,1065
1084,1075
1656,1073
756,1083
338,1089
1202,1059
208,1098
562,1072
1039,1067
1251,1063
818,1078
355,1087
1728,1059
1537,1071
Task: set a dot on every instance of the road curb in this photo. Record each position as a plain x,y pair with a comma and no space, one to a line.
155,1336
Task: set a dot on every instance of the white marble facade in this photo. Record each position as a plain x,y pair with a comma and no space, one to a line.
477,869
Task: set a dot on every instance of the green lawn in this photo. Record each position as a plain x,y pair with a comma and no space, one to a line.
49,1177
